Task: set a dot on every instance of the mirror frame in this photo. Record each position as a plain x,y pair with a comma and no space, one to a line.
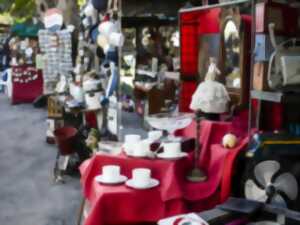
238,96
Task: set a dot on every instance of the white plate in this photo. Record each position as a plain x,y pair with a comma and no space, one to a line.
153,183
164,156
138,156
131,154
121,180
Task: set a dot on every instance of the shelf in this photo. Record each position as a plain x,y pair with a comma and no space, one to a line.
267,96
277,97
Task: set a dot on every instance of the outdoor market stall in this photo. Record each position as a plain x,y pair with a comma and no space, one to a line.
174,195
26,78
221,42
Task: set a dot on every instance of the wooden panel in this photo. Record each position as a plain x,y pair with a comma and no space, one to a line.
55,108
260,81
284,17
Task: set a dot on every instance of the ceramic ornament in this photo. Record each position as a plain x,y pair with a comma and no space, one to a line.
86,22
176,39
106,28
229,141
211,96
29,52
89,10
116,39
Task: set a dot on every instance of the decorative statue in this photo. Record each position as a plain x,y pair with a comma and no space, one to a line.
211,97
92,140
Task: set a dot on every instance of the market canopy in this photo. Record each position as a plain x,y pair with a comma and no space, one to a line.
25,30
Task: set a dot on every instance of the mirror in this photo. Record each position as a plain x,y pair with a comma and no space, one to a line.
232,52
235,58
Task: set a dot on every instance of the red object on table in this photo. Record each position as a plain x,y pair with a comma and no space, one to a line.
27,84
122,205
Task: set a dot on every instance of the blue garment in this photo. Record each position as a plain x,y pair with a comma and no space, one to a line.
100,5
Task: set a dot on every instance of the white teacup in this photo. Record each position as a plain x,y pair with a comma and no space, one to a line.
141,149
141,177
130,141
155,135
111,173
116,39
172,149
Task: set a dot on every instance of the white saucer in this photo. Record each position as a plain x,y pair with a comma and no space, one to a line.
131,154
153,183
179,156
121,180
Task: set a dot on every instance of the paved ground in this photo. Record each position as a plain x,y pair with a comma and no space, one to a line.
27,195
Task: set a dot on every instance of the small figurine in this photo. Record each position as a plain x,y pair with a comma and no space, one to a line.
211,97
62,85
92,140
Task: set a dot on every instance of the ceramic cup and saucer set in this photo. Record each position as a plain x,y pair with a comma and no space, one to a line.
111,175
141,179
172,151
134,146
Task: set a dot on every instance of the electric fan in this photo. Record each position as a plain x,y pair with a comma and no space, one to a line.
271,187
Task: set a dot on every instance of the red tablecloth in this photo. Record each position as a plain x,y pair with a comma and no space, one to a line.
119,204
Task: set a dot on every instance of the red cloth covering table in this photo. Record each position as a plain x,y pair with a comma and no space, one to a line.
120,204
123,205
27,84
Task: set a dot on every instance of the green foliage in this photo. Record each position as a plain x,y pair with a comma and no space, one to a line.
21,10
81,2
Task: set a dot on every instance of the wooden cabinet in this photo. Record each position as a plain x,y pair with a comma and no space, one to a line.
260,81
284,17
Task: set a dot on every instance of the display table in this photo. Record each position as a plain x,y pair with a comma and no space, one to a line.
140,204
27,84
123,205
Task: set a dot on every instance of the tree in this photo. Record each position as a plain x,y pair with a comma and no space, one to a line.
24,10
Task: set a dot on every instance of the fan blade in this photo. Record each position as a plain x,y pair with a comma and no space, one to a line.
253,192
288,184
278,200
265,170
